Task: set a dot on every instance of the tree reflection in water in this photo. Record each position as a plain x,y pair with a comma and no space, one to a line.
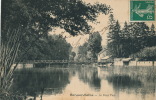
133,79
90,75
123,82
41,81
35,82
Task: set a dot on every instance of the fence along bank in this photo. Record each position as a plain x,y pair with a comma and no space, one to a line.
130,62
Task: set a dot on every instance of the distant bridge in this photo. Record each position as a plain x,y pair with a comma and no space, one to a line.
57,62
35,63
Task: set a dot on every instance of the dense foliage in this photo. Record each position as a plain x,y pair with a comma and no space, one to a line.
148,53
82,52
131,39
71,15
94,44
90,49
52,47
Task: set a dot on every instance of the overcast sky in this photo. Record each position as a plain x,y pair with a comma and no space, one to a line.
120,11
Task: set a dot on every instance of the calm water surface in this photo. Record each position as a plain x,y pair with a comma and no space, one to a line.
87,83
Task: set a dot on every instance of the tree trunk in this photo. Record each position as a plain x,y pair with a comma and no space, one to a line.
9,50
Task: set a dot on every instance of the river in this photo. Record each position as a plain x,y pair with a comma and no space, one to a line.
86,83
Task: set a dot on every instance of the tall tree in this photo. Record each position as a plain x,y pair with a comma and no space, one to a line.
94,44
151,39
114,40
152,29
125,40
82,52
125,32
139,31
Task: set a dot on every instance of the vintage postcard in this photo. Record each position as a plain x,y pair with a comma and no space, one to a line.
78,50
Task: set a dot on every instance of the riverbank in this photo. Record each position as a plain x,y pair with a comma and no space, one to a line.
135,63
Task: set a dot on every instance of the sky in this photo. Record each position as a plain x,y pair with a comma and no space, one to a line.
120,12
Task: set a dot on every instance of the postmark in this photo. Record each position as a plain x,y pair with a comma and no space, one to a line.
142,10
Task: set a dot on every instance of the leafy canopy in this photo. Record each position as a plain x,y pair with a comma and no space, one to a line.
42,15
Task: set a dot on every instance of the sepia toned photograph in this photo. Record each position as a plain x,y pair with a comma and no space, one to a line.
78,50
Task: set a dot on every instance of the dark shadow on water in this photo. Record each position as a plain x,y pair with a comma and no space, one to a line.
123,82
37,81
